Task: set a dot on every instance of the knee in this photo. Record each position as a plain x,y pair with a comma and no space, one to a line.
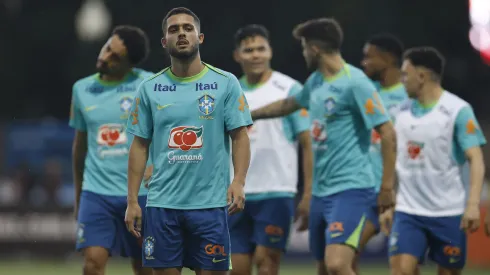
403,270
338,265
93,266
267,263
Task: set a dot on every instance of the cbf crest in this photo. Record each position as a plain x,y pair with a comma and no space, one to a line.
329,106
206,105
125,105
149,248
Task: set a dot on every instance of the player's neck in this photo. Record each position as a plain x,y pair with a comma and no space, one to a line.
430,94
114,77
331,64
390,77
184,68
256,79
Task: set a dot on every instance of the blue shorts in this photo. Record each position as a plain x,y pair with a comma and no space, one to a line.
101,223
338,219
442,236
263,222
197,239
372,214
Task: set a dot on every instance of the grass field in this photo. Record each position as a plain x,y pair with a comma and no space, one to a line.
122,268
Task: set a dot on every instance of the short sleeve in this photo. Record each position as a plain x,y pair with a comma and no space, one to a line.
369,104
77,120
467,130
303,97
140,121
237,113
300,119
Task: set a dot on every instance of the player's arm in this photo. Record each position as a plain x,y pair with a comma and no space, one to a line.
240,153
140,124
470,139
375,116
288,105
79,148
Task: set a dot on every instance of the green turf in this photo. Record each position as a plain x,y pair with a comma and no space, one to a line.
122,268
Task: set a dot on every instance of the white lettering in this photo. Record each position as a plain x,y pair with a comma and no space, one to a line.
113,152
174,158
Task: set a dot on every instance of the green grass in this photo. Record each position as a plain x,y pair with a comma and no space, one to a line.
123,268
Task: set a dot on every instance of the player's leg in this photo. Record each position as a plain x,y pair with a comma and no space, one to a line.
207,241
346,221
163,241
371,228
96,232
407,245
241,229
447,244
317,227
129,245
271,233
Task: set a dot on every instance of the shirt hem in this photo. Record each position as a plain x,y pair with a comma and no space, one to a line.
112,194
432,214
326,194
186,207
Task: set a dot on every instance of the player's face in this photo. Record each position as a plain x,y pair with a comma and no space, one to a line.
310,54
373,62
254,55
113,57
182,37
411,79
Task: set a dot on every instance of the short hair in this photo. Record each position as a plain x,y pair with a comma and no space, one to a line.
388,43
427,57
250,31
136,42
180,10
324,30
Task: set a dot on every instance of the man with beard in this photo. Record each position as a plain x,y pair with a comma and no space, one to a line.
381,62
188,112
99,111
344,107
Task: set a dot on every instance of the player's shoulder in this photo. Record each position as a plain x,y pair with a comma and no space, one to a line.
87,85
404,106
283,82
151,78
220,74
142,74
356,79
85,81
452,100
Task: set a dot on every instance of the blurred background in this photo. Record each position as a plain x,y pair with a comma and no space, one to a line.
45,46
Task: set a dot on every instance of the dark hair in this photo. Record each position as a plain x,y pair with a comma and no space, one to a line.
388,43
324,30
180,10
250,31
427,57
136,42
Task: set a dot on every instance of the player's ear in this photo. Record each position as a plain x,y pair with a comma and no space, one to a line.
236,56
201,38
164,42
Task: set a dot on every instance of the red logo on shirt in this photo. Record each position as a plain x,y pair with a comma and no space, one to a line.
111,134
414,149
318,131
185,138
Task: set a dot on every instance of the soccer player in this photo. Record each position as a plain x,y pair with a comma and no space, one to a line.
381,62
437,133
261,231
344,107
99,111
188,112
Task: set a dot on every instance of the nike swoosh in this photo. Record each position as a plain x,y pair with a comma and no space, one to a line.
159,107
275,240
334,235
217,261
90,108
452,260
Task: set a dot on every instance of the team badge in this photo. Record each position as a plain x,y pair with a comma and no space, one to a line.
329,106
149,247
126,103
206,104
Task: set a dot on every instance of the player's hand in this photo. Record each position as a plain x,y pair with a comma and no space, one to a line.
147,175
386,200
303,213
236,197
471,218
386,221
133,219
